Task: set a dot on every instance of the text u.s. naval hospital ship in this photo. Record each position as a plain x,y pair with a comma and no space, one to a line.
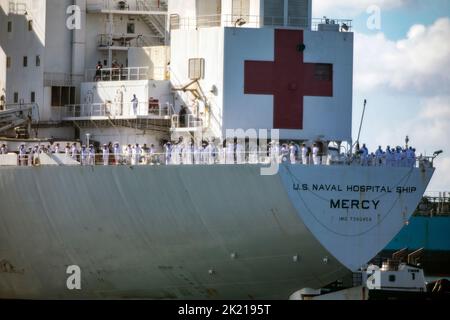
227,227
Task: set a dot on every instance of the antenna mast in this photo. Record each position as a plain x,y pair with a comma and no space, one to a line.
362,119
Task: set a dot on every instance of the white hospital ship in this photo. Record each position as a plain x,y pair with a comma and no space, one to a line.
101,71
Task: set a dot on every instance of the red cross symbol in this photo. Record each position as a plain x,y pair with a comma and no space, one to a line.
288,79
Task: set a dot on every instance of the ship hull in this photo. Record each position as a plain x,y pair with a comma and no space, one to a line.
189,232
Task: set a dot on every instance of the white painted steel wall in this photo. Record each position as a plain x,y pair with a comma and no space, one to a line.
142,232
20,43
182,7
2,71
329,117
204,43
113,91
155,58
127,222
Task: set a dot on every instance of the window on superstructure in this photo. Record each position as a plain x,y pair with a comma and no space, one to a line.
196,68
8,62
9,26
298,13
62,96
274,12
38,61
130,27
33,97
241,10
25,61
30,25
323,71
65,96
56,97
174,21
16,97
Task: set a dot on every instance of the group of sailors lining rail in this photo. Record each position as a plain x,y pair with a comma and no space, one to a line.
181,153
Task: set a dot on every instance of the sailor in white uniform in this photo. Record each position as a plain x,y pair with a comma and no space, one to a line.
378,156
229,158
67,150
197,155
404,161
4,149
117,153
105,155
152,155
292,151
214,153
74,152
304,154
315,152
274,152
398,157
364,155
35,154
253,153
136,154
168,152
144,155
413,157
22,155
91,159
175,156
30,157
240,153
187,153
388,156
135,104
57,149
207,153
84,156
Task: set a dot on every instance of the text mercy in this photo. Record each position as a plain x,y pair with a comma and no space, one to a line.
354,204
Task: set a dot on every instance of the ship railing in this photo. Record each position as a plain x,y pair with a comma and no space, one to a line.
343,25
112,110
125,74
62,79
256,21
126,40
17,7
134,6
179,156
189,121
434,203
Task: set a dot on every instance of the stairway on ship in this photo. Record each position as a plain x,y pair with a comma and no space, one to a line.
156,23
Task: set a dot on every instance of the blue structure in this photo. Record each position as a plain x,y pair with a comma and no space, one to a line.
430,233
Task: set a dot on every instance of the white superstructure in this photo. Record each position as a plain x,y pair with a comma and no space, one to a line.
192,53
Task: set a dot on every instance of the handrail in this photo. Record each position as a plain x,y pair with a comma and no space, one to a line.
122,74
129,5
62,79
191,122
125,40
111,110
256,21
182,155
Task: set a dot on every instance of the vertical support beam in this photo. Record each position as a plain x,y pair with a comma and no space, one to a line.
261,13
110,37
309,27
79,43
286,13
